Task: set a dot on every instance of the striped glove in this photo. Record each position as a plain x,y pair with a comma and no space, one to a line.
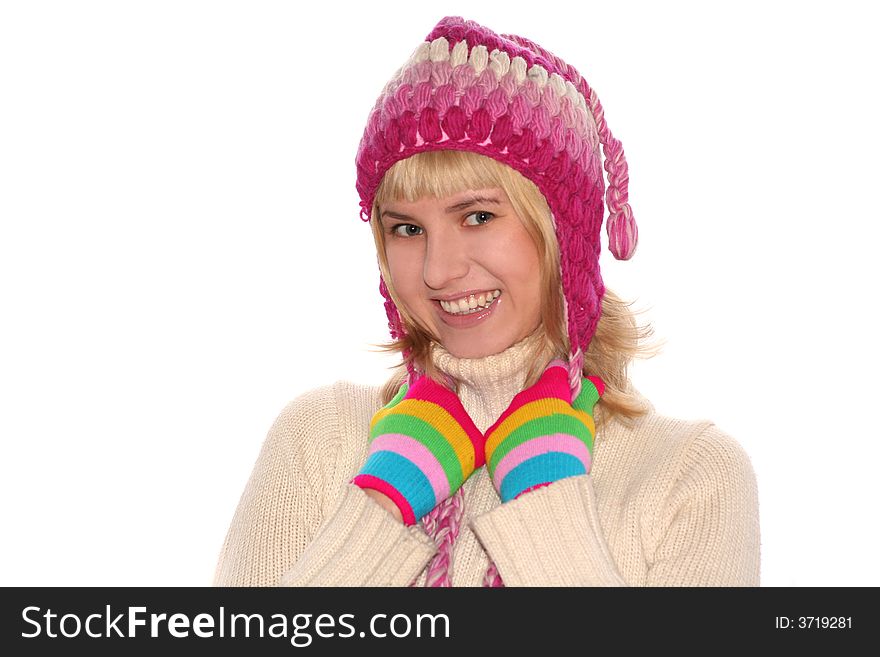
542,436
423,447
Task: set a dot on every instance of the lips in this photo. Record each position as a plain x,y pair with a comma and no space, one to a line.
471,303
471,317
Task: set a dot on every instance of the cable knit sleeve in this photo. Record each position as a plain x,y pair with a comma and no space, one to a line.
710,519
550,537
294,526
698,525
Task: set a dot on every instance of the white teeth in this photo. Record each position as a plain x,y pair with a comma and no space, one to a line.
471,303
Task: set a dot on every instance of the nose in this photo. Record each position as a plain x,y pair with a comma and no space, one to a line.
446,259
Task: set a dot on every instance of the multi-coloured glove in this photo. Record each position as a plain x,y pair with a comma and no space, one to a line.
423,447
543,436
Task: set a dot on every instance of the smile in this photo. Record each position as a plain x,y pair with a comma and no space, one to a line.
470,304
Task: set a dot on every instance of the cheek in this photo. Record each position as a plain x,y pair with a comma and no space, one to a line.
524,266
404,268
522,263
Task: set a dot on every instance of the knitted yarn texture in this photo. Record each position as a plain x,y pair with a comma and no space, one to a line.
423,446
543,436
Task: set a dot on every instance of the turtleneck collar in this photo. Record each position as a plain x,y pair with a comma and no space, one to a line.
487,385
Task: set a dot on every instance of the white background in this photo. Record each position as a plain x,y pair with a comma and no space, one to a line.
181,254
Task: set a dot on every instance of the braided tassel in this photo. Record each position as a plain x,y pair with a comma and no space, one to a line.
623,234
443,525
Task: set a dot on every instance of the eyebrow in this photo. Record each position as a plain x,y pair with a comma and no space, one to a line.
458,207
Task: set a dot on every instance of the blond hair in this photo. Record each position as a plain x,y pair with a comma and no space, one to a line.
617,340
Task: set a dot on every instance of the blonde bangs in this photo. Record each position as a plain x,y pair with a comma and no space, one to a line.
437,174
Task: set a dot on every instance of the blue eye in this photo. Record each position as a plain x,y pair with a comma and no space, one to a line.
409,230
482,218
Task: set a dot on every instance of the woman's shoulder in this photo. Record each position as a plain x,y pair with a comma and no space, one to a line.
690,441
332,402
315,425
662,459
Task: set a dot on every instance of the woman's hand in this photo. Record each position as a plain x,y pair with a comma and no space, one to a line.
542,436
423,447
385,502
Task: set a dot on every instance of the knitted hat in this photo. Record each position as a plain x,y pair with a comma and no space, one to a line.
505,97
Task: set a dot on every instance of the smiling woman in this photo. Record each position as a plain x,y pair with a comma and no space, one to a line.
464,274
510,443
506,229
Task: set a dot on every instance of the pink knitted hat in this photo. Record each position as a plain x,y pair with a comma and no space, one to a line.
503,96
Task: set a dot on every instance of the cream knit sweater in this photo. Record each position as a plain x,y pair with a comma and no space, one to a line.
668,503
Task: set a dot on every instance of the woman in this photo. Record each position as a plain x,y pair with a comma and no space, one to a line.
511,449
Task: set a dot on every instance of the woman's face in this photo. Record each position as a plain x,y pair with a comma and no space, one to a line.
466,268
